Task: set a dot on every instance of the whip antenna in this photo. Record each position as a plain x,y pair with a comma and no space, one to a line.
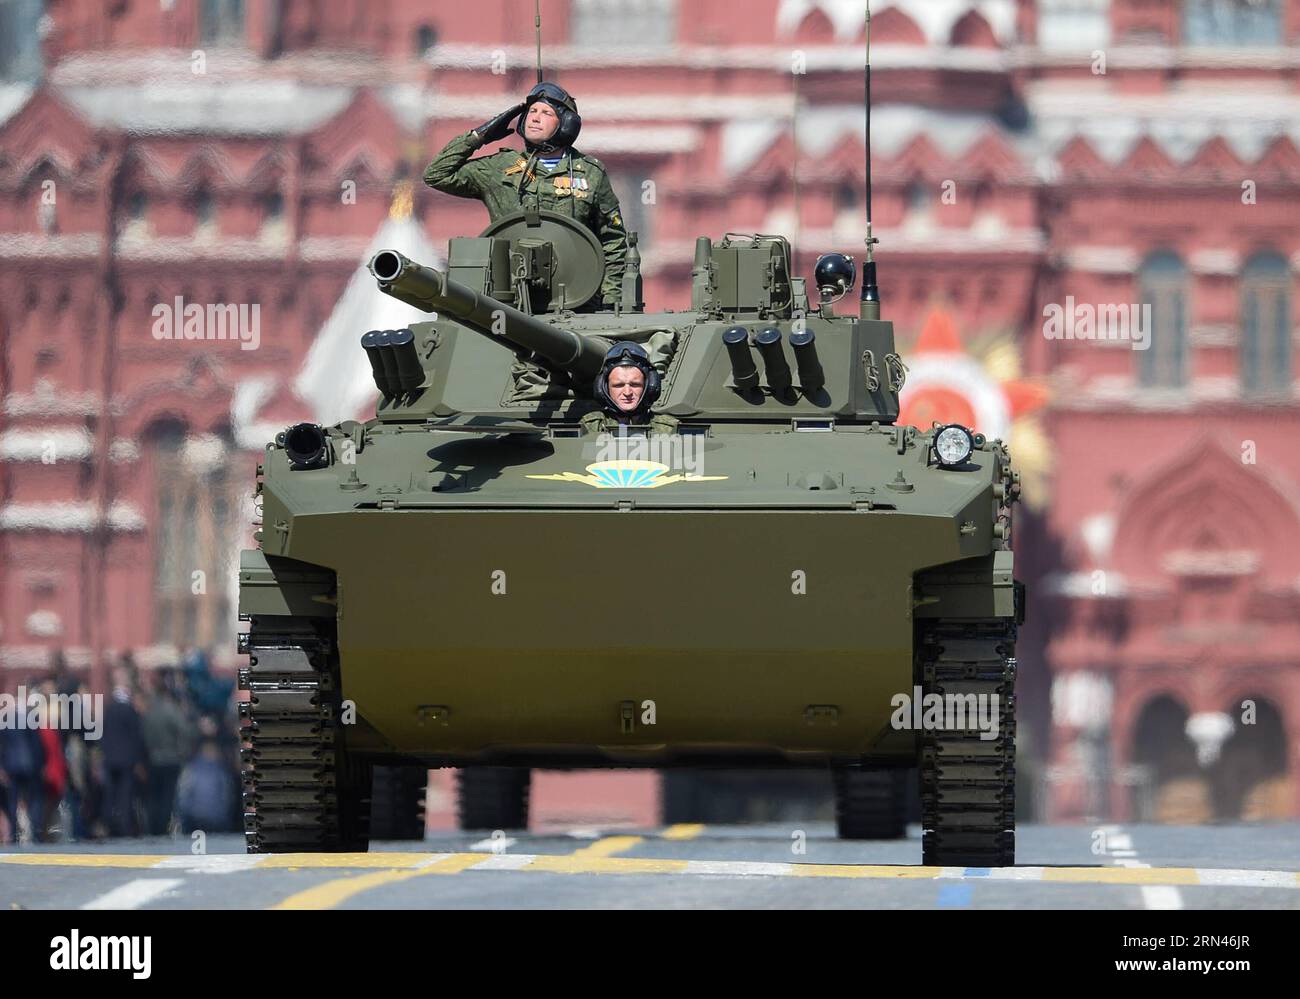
870,305
537,25
794,176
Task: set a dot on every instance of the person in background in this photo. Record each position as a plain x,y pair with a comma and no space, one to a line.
54,771
22,758
210,695
168,742
126,759
205,794
83,792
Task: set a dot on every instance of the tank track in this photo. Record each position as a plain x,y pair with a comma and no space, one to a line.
301,792
968,803
870,804
397,802
493,797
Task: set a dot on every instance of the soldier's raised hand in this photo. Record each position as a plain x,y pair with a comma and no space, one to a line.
499,127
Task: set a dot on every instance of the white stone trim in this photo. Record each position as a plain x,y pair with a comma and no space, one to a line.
935,18
46,400
69,444
1102,259
64,516
1215,261
44,624
36,244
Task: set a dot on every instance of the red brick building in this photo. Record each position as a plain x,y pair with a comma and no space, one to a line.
1030,155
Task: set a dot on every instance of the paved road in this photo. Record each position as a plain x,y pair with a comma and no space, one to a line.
761,866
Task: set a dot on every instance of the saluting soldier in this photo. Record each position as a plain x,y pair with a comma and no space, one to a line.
552,175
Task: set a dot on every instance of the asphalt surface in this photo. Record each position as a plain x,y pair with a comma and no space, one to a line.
757,866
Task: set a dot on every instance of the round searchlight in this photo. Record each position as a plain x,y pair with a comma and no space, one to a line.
953,444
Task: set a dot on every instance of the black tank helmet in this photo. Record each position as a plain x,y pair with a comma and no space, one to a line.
622,355
564,105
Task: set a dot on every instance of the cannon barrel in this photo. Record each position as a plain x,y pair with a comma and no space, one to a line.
433,291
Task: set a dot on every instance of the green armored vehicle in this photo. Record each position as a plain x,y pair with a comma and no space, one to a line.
768,571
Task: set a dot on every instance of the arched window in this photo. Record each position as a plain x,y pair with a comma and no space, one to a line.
194,533
426,37
221,22
1163,285
205,207
1232,22
892,27
815,29
1266,324
974,32
20,46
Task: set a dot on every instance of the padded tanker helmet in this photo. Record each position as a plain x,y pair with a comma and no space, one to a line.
627,355
564,106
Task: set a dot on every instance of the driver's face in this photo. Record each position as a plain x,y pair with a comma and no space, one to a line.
541,123
626,387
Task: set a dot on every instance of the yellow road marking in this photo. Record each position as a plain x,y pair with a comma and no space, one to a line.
293,861
575,864
334,892
607,846
682,830
1123,875
130,860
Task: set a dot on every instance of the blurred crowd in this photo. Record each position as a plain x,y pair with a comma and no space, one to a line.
166,760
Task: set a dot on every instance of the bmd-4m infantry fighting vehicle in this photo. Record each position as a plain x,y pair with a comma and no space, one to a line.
770,573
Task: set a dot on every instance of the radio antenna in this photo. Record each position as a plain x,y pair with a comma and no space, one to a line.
537,25
794,176
869,308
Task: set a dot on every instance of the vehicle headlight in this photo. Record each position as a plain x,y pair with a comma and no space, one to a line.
953,444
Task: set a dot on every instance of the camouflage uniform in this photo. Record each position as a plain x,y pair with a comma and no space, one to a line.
601,422
578,187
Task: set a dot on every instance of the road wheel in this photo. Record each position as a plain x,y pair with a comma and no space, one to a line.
871,804
493,797
397,802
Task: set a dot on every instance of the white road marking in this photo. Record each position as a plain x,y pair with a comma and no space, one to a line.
216,863
1119,844
1246,879
504,862
1013,874
432,859
490,845
1117,841
134,894
738,867
1161,897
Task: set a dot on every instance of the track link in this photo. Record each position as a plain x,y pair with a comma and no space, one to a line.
968,783
301,792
